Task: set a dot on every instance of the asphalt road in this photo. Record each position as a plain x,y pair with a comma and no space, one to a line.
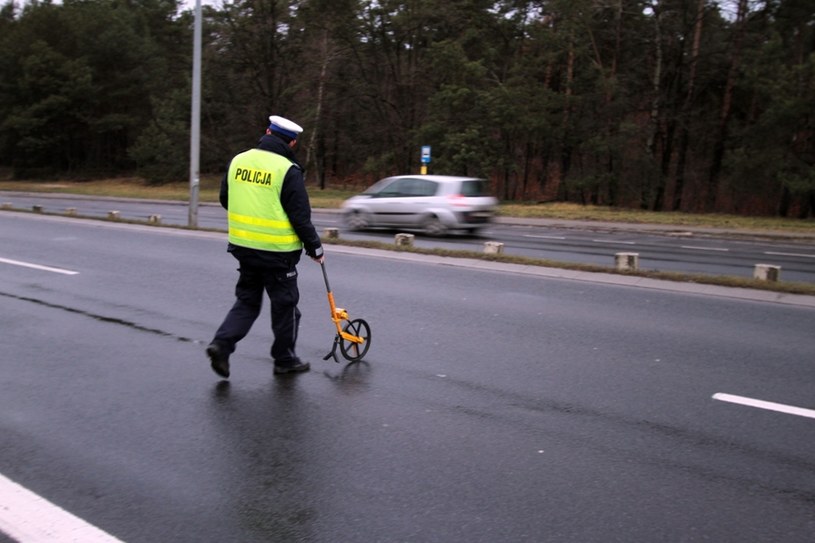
700,250
494,405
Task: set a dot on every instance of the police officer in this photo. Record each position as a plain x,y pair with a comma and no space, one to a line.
269,217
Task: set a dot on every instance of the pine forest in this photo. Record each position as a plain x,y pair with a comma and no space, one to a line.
665,105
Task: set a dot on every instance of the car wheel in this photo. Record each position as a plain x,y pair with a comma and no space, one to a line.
357,220
434,227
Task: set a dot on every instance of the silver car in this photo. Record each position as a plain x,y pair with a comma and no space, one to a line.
432,203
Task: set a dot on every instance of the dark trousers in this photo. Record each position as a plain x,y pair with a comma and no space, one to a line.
281,287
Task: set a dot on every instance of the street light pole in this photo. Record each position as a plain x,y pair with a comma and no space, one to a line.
195,128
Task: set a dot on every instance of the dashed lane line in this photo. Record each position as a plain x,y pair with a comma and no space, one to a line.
537,236
614,242
38,266
761,404
720,249
802,255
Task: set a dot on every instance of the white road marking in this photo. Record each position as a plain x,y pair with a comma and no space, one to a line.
543,237
38,266
761,404
722,249
29,518
788,254
614,241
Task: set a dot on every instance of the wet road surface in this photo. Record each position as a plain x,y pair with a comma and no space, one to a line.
492,406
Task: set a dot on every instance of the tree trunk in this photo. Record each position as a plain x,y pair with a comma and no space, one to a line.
656,78
727,107
684,118
784,204
320,162
807,205
566,151
613,177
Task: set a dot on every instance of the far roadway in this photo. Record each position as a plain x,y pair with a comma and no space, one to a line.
663,248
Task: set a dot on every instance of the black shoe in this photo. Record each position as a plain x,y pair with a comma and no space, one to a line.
296,367
219,360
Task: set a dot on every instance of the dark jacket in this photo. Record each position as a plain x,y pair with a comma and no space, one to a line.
293,198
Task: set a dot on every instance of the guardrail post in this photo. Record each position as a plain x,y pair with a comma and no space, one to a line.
404,240
627,261
767,272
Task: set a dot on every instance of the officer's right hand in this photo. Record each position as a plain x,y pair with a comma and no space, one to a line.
318,255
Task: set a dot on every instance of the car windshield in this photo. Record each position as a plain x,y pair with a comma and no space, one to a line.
474,187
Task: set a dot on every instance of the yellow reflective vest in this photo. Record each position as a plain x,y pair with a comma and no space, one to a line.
256,218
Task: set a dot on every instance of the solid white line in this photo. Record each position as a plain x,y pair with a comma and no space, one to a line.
29,518
38,266
788,254
761,404
705,248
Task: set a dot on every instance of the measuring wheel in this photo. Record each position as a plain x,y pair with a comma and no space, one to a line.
352,350
354,339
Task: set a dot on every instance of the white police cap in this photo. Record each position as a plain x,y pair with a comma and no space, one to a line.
284,126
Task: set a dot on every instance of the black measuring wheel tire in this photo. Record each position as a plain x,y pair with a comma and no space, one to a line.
355,351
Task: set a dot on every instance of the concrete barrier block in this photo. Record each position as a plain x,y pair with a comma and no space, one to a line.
627,261
767,272
154,219
113,215
404,240
331,233
493,247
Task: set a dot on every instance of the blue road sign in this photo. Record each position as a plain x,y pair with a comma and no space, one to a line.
425,154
